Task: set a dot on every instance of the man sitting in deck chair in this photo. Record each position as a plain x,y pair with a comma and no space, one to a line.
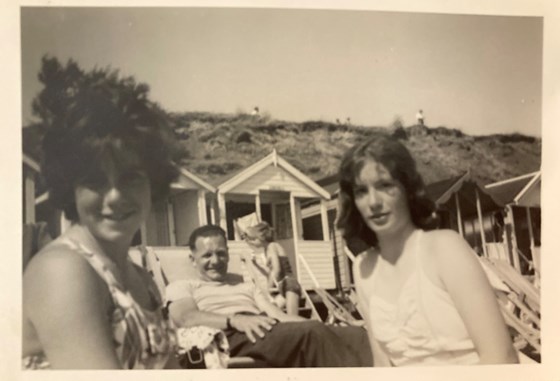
253,325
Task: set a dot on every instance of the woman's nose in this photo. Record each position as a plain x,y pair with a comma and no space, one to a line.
373,198
113,193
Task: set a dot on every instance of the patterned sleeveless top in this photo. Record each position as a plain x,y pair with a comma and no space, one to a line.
143,338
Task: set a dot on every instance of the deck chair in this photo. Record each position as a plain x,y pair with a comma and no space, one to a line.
519,303
250,273
338,314
537,265
167,264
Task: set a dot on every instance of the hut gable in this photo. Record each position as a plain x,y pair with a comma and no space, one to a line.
522,190
188,180
273,173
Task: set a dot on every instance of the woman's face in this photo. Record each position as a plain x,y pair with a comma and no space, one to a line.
381,200
112,202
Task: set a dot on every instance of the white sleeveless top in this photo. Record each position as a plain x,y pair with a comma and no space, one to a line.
423,327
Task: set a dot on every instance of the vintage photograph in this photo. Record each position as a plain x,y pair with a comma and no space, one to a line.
218,188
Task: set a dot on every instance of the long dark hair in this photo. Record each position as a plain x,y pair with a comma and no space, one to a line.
399,162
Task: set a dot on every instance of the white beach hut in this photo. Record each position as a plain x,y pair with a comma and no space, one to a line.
274,190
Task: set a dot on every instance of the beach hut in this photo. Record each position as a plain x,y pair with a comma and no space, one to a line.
275,190
464,206
521,197
172,220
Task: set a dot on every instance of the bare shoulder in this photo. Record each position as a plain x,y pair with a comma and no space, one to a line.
58,272
276,248
56,259
364,263
448,253
445,243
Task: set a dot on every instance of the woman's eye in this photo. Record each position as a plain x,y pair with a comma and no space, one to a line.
386,185
360,191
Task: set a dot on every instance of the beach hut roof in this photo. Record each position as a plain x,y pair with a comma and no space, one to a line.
440,191
330,184
274,160
188,180
514,191
466,189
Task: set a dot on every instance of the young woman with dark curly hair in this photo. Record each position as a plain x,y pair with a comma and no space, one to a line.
85,304
423,293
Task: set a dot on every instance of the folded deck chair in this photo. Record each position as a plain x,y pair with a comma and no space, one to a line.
519,302
338,314
172,263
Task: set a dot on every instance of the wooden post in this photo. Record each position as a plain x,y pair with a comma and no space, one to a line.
144,234
273,217
459,217
258,205
222,211
171,224
324,220
530,226
29,199
515,256
299,220
296,235
479,212
201,205
213,219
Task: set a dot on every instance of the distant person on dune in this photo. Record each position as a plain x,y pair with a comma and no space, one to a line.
420,117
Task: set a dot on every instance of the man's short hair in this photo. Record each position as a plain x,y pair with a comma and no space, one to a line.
206,231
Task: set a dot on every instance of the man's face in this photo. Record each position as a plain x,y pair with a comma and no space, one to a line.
210,257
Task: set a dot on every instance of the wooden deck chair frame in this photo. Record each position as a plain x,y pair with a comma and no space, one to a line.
150,260
524,297
338,314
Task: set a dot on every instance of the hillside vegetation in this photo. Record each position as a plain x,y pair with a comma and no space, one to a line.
221,144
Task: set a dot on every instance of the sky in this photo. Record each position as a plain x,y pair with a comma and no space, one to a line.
498,57
481,74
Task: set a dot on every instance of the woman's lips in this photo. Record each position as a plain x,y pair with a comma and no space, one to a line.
117,216
379,217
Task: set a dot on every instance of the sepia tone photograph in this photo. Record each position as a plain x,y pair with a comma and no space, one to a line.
267,187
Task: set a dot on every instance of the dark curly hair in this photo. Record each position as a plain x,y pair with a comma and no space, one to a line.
206,231
104,119
402,167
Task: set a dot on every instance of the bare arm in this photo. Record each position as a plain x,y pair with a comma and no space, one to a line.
273,253
185,313
466,282
273,311
67,303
